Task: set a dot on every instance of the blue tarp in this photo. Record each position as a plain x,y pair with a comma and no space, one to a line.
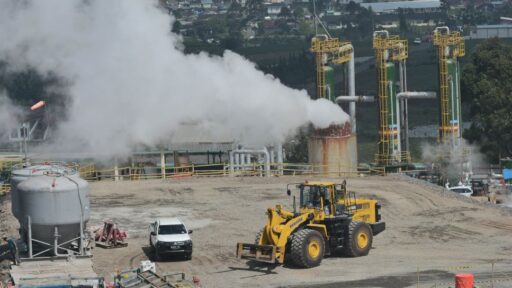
507,173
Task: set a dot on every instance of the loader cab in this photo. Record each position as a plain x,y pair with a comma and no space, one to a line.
320,197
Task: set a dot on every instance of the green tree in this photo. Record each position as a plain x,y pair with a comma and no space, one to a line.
255,8
402,21
486,84
365,22
352,7
298,13
285,12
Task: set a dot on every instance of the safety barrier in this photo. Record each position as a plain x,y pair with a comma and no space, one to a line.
493,274
5,188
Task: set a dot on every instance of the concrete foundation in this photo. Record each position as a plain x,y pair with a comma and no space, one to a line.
333,150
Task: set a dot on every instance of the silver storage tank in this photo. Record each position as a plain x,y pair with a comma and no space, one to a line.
23,172
53,201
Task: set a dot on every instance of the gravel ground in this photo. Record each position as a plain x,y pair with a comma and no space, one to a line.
428,231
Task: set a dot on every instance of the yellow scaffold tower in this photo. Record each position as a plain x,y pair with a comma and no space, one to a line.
328,51
450,46
388,51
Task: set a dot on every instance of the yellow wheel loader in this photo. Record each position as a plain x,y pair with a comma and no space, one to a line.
328,220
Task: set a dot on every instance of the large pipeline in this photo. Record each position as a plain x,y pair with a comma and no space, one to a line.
416,95
239,154
353,99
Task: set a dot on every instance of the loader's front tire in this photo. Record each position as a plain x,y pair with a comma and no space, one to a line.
359,239
307,248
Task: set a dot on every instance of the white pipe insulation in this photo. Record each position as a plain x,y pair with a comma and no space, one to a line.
236,155
416,95
342,99
352,89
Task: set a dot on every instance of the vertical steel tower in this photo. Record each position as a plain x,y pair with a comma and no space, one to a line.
450,46
389,51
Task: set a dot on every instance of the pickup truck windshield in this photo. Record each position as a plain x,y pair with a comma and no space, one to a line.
171,229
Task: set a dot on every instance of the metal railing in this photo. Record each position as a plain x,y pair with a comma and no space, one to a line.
5,188
90,173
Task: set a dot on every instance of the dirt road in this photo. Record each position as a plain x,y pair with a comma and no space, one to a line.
428,231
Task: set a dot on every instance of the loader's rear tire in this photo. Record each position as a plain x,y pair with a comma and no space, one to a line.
358,239
307,248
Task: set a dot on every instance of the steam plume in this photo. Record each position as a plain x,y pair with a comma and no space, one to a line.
8,115
130,81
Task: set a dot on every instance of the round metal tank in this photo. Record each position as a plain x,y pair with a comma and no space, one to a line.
53,200
23,172
333,150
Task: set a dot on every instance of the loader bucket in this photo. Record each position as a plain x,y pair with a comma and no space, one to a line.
260,253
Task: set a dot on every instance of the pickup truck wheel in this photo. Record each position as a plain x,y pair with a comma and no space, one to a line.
157,255
188,256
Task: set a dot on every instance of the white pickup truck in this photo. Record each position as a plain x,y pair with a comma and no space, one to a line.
169,236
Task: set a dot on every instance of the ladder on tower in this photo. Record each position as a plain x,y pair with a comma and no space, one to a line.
384,133
443,87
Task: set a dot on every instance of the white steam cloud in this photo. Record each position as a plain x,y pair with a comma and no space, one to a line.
131,83
9,114
454,164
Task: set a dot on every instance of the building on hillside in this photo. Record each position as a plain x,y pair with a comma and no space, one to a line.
388,21
491,31
418,6
345,2
207,4
274,9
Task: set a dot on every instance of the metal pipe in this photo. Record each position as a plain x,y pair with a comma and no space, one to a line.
459,98
280,158
406,110
231,160
394,115
352,89
380,32
452,101
343,99
242,161
399,104
237,153
267,162
162,164
416,95
56,243
29,224
437,29
81,215
116,170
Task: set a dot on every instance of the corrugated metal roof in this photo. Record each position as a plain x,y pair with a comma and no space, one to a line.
391,6
493,26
